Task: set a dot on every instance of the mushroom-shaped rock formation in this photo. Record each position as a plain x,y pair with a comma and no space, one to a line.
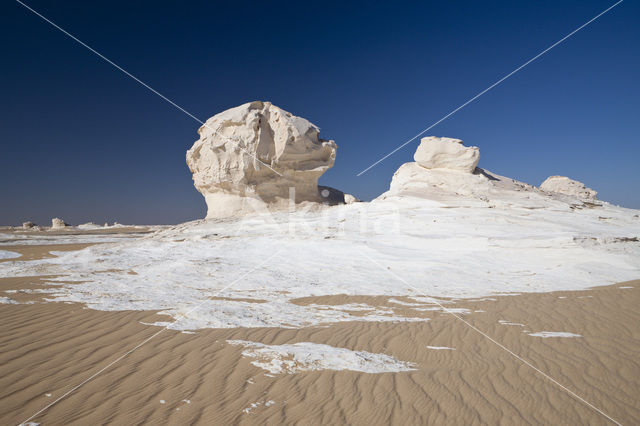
258,157
573,188
446,153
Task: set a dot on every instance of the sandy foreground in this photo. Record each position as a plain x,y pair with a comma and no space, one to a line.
460,376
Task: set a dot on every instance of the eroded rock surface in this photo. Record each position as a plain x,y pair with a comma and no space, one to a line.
573,188
446,153
446,172
257,157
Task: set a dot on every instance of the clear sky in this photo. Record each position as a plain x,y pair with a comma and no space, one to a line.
82,141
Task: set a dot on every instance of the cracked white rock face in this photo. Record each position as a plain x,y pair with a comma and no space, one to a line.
234,163
573,188
446,153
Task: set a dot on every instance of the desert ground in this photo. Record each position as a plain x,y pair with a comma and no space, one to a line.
455,374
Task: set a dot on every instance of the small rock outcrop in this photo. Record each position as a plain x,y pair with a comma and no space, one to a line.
28,225
57,223
446,172
258,157
331,196
350,199
573,188
443,168
446,153
88,225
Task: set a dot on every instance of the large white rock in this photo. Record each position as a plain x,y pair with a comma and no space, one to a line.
570,187
258,157
446,153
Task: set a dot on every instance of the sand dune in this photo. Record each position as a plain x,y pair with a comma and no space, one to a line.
180,378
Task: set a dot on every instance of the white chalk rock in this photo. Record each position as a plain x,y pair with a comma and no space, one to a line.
57,223
454,186
350,199
88,225
28,225
573,188
413,180
455,189
258,157
446,153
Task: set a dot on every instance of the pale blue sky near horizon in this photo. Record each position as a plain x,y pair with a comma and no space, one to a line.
82,141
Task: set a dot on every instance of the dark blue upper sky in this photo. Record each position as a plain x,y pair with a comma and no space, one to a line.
82,141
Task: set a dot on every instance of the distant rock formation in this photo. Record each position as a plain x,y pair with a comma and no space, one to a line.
88,225
57,223
446,153
350,199
256,157
332,196
29,225
446,172
570,187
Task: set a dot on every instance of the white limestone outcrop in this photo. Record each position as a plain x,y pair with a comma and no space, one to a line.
446,153
257,157
57,223
88,225
446,173
444,169
573,188
350,199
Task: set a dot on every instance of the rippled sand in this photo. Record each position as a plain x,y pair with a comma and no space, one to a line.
178,378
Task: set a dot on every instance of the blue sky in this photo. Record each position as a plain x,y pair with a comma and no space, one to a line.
82,141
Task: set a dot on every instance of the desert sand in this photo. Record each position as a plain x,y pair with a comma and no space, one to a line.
458,376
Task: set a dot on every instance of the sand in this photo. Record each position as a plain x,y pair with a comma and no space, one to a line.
40,251
72,230
179,378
